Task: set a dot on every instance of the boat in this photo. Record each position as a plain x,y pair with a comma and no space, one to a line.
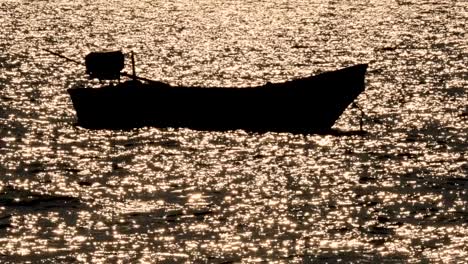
305,105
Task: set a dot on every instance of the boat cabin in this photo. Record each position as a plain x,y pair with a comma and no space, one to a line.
104,65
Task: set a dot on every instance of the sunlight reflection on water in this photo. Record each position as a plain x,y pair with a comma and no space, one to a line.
398,194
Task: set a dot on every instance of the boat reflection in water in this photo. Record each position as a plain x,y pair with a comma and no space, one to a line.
306,105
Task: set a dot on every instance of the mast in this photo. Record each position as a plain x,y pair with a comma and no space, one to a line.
133,67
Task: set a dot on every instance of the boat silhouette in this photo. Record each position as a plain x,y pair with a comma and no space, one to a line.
305,105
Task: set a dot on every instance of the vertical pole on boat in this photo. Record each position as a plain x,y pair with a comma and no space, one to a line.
133,66
361,120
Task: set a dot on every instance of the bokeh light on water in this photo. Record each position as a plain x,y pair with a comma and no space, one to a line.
398,194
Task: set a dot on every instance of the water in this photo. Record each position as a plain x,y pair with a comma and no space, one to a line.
398,194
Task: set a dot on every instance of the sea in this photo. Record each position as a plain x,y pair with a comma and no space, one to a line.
395,194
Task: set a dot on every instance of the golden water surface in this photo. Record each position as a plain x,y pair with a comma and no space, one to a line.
395,195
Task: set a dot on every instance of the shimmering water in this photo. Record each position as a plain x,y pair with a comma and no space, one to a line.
396,195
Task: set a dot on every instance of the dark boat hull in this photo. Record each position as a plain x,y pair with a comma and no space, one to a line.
310,104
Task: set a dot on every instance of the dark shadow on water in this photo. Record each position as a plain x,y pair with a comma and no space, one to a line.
15,198
353,257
